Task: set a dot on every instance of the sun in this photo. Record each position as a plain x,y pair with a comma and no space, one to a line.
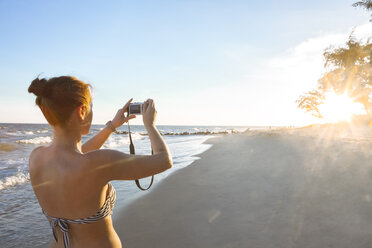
339,107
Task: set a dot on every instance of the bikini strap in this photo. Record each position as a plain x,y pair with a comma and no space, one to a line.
62,223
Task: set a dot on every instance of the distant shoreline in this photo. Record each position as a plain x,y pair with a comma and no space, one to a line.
188,125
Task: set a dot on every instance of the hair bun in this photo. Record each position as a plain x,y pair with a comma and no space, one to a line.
40,87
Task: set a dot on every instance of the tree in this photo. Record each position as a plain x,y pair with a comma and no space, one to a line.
366,4
310,102
349,71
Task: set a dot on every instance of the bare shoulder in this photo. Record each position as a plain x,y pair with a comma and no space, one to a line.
97,157
34,165
101,163
35,154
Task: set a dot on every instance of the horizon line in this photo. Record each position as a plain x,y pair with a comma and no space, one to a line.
35,123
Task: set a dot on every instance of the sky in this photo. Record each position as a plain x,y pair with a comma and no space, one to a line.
203,62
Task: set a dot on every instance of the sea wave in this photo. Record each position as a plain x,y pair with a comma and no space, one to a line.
115,143
42,131
16,161
37,140
117,140
23,133
19,178
7,147
17,133
196,131
229,131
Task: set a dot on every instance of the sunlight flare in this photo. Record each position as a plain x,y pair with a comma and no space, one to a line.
339,108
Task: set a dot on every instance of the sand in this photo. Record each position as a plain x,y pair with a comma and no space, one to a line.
309,187
280,188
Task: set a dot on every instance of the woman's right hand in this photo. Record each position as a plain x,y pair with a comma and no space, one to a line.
149,113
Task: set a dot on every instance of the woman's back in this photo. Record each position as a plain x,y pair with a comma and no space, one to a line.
67,188
71,180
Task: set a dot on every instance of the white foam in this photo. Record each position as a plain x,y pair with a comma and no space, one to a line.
11,181
137,136
28,132
37,140
116,141
42,131
13,133
16,161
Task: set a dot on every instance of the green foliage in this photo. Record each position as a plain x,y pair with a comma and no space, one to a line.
354,53
365,4
310,102
348,70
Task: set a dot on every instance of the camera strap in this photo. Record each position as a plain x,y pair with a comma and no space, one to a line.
132,151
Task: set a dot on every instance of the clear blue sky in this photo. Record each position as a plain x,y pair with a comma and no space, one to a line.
204,62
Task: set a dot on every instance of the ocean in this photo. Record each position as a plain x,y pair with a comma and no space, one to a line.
21,220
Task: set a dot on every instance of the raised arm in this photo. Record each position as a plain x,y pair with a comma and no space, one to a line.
114,165
99,139
157,142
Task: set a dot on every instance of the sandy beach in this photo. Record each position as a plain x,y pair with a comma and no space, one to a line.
279,188
306,187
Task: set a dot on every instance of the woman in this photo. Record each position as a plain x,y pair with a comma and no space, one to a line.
71,180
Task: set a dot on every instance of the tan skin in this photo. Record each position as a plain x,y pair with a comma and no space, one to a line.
70,180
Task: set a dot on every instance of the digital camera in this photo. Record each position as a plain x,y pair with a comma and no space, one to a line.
135,108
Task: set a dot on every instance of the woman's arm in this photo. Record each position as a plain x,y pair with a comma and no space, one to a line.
99,139
158,144
114,165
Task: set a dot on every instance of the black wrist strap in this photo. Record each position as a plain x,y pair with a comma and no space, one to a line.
132,151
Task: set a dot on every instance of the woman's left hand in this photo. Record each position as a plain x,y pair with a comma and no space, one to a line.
119,118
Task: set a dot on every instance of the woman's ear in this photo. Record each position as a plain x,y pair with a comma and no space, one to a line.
82,112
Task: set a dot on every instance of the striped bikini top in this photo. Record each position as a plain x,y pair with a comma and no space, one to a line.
104,211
